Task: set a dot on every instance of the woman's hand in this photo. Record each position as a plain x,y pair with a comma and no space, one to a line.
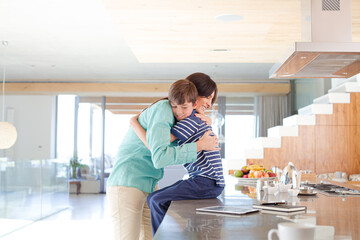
204,118
207,142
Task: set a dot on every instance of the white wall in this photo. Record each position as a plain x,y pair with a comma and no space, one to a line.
34,119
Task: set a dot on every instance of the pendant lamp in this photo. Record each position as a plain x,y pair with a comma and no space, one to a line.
8,132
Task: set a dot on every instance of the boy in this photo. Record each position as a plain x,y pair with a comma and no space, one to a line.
205,174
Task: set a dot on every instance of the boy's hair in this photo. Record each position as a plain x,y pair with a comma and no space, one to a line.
204,85
182,91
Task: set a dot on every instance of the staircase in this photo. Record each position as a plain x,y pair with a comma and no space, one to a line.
324,137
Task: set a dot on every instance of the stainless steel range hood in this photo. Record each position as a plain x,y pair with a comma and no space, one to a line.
330,53
320,60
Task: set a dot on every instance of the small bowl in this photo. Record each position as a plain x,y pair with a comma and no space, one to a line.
306,190
293,192
284,187
270,190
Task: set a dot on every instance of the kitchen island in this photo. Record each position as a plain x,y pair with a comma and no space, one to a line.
335,217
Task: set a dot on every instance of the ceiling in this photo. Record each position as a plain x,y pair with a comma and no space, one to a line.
148,41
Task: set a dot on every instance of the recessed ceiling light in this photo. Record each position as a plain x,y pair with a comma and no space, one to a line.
229,17
221,50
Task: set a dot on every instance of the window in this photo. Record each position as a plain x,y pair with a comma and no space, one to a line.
116,127
239,130
89,135
239,120
65,126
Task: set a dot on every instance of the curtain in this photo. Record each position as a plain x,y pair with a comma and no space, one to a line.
269,112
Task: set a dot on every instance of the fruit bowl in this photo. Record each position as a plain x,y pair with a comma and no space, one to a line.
252,180
253,172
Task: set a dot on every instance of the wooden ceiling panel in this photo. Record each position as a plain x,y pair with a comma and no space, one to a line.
138,100
127,107
355,9
187,31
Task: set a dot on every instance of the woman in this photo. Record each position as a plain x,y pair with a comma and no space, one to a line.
137,169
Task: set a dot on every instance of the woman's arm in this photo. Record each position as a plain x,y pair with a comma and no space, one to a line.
140,131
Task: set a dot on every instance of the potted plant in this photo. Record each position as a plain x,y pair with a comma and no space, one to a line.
75,164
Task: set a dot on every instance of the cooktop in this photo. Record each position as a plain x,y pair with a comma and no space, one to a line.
332,190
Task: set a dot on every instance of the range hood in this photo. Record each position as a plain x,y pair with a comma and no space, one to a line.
331,52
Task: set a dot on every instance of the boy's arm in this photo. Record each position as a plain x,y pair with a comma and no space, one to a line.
139,130
184,129
172,137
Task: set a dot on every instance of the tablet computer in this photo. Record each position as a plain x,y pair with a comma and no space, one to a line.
227,210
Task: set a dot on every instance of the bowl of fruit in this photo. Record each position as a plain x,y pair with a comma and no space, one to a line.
253,172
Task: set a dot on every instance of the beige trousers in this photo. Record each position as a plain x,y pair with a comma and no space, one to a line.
130,213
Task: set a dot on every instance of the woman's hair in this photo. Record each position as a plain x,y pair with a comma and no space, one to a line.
182,91
204,85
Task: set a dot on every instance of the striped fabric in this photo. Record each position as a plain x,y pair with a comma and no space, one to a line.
208,163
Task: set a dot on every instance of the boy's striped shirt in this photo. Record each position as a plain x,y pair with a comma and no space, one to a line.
208,163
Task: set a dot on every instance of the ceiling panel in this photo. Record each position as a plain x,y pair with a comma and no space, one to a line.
148,41
188,31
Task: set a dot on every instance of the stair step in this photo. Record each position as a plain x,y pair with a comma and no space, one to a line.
333,97
254,153
346,87
316,109
298,120
266,142
283,131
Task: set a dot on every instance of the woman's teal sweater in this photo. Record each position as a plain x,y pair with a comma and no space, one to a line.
137,166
